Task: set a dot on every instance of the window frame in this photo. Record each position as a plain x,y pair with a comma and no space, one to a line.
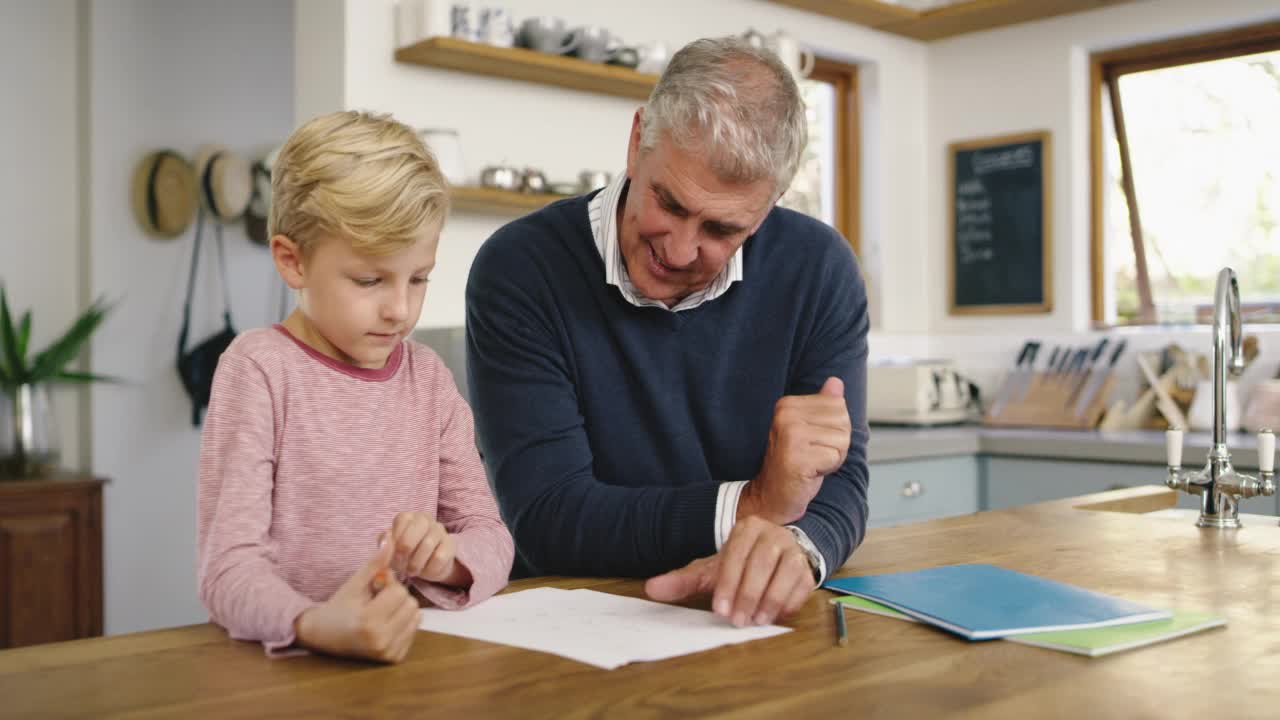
1106,68
843,77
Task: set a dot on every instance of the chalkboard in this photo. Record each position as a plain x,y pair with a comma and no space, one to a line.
999,249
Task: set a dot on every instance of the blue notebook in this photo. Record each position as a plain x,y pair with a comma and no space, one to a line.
982,602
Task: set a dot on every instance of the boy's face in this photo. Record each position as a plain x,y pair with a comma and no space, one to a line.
361,306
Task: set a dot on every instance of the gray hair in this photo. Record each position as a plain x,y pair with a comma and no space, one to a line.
736,103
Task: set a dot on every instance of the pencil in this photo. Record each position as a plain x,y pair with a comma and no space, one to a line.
842,633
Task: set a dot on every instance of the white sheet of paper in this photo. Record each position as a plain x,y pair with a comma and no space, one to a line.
596,628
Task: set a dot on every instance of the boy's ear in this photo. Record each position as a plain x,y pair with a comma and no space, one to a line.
287,256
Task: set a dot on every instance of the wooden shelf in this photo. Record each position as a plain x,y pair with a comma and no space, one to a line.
871,13
528,66
946,21
500,202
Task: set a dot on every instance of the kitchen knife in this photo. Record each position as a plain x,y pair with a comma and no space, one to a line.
1073,365
1050,368
1010,382
1090,363
1098,377
1025,375
1061,367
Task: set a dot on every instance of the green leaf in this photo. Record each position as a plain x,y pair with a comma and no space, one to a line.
62,351
24,334
81,377
9,342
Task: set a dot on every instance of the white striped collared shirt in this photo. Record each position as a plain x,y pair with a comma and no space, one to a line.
603,212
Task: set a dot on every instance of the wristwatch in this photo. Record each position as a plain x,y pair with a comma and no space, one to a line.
810,552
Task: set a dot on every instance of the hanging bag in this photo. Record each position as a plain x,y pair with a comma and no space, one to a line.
197,365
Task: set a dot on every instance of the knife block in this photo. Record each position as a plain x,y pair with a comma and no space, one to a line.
1048,402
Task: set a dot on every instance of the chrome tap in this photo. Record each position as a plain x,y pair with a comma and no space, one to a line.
1219,486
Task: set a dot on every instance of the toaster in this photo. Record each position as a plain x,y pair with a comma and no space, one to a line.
917,392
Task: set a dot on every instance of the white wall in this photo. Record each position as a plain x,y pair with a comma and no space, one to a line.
1030,77
177,74
1035,76
563,131
39,190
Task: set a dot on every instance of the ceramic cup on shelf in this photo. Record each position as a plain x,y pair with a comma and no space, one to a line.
624,56
501,177
589,180
755,38
592,43
652,57
548,35
461,23
495,27
533,180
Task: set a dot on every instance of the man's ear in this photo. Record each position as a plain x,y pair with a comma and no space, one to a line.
287,256
633,146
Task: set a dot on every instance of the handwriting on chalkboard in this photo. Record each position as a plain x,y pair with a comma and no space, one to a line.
1007,159
973,223
999,221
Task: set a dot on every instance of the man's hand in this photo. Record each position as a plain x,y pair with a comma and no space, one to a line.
808,440
371,616
759,575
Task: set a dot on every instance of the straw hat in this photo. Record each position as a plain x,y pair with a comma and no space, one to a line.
164,194
225,182
255,216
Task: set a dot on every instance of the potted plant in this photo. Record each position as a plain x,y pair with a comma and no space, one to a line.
28,432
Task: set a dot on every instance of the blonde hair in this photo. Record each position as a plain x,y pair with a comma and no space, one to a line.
366,178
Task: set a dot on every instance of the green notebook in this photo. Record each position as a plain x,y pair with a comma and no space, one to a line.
1092,642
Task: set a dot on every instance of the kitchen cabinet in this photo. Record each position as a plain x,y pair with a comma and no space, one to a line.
50,560
1020,481
914,490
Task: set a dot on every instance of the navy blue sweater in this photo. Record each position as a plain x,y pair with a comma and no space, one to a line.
606,428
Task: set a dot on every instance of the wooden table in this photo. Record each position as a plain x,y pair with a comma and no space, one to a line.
890,668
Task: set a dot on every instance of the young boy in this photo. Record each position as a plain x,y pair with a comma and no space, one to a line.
339,478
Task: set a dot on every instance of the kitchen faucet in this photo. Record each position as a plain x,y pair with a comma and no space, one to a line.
1219,486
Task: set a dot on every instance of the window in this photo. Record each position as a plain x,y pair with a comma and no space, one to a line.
826,184
1186,174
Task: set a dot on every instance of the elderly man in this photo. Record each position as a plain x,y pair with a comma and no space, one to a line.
672,371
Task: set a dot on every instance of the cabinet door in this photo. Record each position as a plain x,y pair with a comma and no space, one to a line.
1020,481
914,490
50,567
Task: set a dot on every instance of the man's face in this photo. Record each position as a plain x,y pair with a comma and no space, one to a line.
681,224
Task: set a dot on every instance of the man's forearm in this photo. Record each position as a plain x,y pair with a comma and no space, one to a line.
751,502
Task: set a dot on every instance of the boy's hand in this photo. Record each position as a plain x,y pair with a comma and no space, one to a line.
424,549
371,616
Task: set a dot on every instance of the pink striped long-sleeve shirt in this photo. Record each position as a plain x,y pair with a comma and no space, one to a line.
304,460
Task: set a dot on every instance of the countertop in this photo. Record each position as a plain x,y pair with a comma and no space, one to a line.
890,668
892,444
